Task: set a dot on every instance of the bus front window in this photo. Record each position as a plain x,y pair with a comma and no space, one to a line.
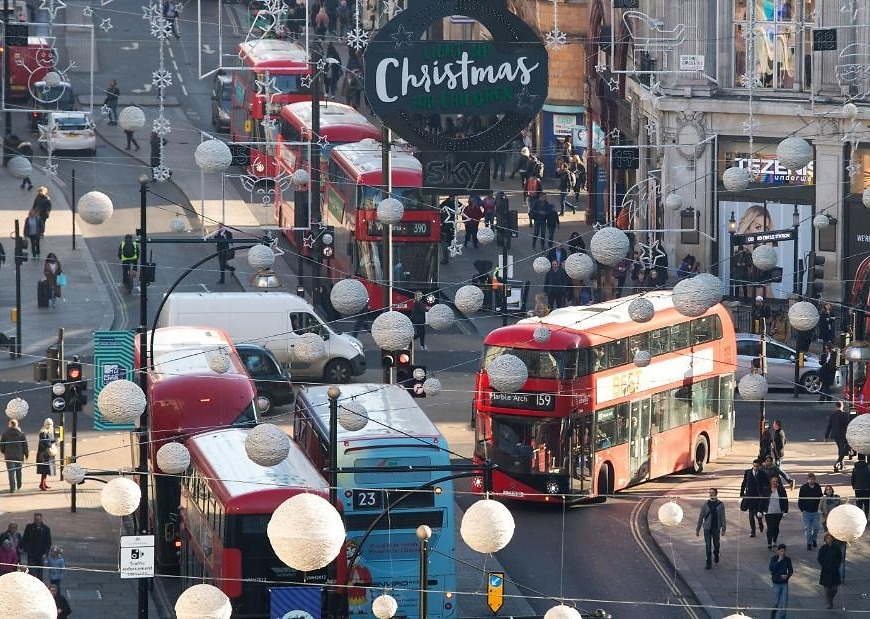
541,363
526,445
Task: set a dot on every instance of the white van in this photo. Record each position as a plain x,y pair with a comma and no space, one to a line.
273,320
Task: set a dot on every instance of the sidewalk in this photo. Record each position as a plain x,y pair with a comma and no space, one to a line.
741,580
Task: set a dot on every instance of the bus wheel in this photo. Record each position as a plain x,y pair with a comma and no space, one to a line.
337,371
700,458
605,487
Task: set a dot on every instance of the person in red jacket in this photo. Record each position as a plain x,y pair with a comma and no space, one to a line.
471,216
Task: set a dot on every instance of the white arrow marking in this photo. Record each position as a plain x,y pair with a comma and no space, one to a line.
133,46
145,88
206,49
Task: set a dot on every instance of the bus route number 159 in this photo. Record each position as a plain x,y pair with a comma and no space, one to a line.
368,499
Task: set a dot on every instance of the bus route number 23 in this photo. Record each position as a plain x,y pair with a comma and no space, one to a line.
367,499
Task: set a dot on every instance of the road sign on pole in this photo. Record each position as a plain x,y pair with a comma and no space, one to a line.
495,591
137,556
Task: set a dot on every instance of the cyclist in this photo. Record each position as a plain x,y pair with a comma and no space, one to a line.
128,254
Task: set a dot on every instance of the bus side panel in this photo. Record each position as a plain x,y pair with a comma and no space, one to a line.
671,451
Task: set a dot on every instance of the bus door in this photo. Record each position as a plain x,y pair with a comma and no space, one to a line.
725,404
638,441
581,453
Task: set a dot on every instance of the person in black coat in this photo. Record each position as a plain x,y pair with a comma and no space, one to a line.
418,319
63,607
861,483
157,144
836,430
224,248
36,542
556,285
13,446
751,489
828,361
826,324
830,558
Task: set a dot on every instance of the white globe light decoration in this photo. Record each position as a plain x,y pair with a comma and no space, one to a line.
507,373
219,360
468,299
25,597
794,153
670,514
542,334
711,283
641,310
487,526
390,211
300,177
95,207
121,401
609,246
121,496
432,386
562,612
694,296
642,358
821,221
485,235
352,416
847,523
203,602
737,616
261,257
178,223
173,458
392,330
309,347
858,434
306,532
541,264
52,79
850,110
17,408
131,118
384,606
74,473
440,317
764,257
803,316
674,202
213,156
349,296
20,167
752,387
267,445
865,197
579,266
736,179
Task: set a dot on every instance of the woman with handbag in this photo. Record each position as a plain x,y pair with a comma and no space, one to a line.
55,277
46,452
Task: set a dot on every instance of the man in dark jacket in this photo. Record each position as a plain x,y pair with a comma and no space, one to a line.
836,430
36,542
861,484
779,443
781,570
712,519
556,284
751,489
223,236
809,498
13,446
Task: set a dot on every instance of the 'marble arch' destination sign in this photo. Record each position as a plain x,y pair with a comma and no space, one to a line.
409,80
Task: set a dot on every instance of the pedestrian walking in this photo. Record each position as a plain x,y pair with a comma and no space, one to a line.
576,243
52,271
567,180
538,221
56,565
760,315
363,321
556,285
751,490
829,501
488,206
774,505
128,255
522,164
809,497
36,543
157,144
499,163
170,12
13,446
42,204
131,141
26,151
741,264
836,430
779,442
11,533
712,520
9,558
576,166
46,452
828,363
224,248
418,319
63,607
861,484
33,231
830,558
111,101
551,219
471,216
781,571
827,324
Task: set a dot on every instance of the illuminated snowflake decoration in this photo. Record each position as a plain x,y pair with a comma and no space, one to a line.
161,173
854,168
52,7
600,68
51,170
44,131
161,78
160,125
555,38
87,11
746,82
269,125
357,39
106,24
161,28
276,7
751,125
151,12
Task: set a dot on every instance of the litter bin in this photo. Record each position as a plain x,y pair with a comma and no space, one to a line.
40,371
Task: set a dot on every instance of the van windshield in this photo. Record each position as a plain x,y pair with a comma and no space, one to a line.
306,322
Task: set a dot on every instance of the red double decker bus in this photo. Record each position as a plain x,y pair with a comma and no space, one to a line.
353,192
588,420
186,396
226,504
269,76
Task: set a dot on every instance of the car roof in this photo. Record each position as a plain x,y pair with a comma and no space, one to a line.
68,114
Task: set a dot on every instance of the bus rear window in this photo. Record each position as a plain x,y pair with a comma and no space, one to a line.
541,363
381,479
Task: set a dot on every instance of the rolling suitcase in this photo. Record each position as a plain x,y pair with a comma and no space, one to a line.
42,293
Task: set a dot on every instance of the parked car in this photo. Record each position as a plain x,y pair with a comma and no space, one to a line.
220,102
780,364
273,384
68,131
60,98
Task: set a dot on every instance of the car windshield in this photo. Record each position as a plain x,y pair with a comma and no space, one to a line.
71,123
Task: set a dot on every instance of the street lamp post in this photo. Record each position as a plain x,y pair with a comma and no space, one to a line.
143,381
333,393
732,228
424,533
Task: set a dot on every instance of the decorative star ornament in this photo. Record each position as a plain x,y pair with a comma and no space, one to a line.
402,37
613,84
308,241
106,24
321,64
105,111
652,254
269,125
525,99
52,7
600,68
87,11
455,248
269,86
306,81
322,142
151,12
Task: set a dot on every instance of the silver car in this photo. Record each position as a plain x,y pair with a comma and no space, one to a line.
780,364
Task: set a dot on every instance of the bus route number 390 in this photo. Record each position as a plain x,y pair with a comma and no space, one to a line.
368,499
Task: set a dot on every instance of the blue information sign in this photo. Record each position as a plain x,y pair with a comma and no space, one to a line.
113,360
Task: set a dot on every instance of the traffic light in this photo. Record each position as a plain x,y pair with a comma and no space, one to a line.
815,275
404,367
327,242
76,383
20,250
388,359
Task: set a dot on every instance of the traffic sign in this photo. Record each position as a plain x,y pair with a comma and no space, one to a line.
495,591
58,404
137,556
